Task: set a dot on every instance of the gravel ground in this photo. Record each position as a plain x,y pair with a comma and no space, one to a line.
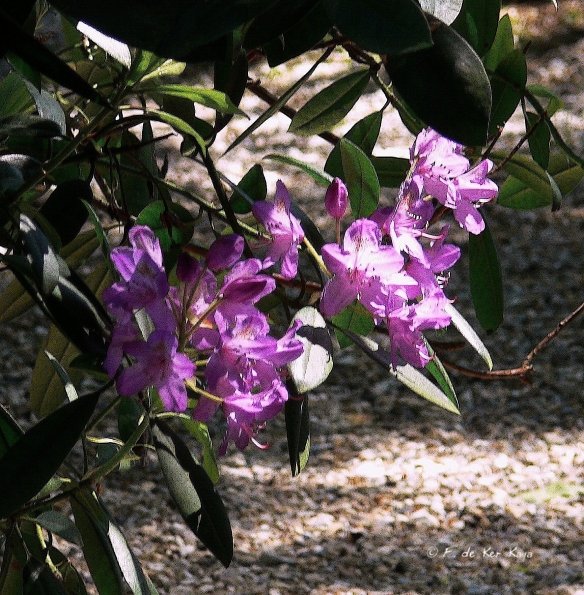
400,496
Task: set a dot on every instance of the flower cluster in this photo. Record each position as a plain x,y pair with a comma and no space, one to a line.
210,316
390,262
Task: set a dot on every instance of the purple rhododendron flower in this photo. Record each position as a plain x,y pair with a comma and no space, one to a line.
357,265
284,228
244,284
157,364
336,199
224,252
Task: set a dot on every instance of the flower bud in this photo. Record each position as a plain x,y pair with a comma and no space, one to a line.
224,252
336,199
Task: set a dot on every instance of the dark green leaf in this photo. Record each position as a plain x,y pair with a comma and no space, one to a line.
300,34
328,107
216,100
354,319
311,231
364,134
14,96
48,107
297,429
361,179
251,187
554,102
539,139
93,524
60,525
502,46
231,79
34,53
406,374
477,23
438,371
193,492
391,171
200,432
507,83
28,125
312,368
41,451
170,28
446,86
486,281
39,580
130,414
381,26
10,431
171,222
64,208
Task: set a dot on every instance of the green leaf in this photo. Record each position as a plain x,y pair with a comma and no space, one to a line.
251,188
36,55
178,124
192,490
355,320
93,524
486,280
28,126
278,104
554,104
381,26
64,209
216,100
438,371
296,413
172,224
231,78
364,134
539,139
299,35
446,86
10,431
503,44
319,176
406,374
445,10
312,368
60,525
328,107
170,28
41,451
130,414
507,84
478,22
391,171
200,432
360,178
469,334
14,95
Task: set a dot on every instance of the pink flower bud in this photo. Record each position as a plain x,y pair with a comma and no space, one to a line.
336,199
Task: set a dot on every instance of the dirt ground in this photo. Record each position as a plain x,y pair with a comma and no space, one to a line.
400,496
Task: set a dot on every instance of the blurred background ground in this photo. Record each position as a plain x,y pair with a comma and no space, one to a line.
400,496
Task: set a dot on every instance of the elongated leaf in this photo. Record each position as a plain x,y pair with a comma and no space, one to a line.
438,371
277,105
251,187
469,334
41,451
64,208
328,107
60,525
312,368
208,97
445,10
297,429
486,280
382,26
28,125
93,524
319,176
406,374
170,28
200,432
193,492
539,140
10,431
361,179
502,46
355,320
507,84
364,134
391,171
477,22
178,124
231,79
446,86
35,54
116,49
